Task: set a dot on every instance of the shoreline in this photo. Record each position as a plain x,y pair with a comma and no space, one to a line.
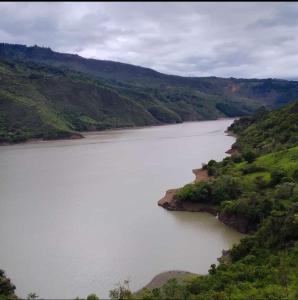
82,134
73,136
169,202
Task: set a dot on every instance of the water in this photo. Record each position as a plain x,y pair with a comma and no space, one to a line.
78,216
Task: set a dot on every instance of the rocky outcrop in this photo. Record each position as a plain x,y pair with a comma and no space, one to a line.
232,151
201,174
170,202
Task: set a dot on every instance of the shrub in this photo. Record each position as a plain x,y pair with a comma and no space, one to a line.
237,158
225,188
249,156
92,297
284,190
276,177
198,192
252,169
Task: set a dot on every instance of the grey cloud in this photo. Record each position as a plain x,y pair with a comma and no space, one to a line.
285,15
184,38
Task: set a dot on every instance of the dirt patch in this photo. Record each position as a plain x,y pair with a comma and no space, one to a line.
232,151
168,197
201,174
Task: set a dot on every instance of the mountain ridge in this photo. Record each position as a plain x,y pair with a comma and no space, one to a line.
65,93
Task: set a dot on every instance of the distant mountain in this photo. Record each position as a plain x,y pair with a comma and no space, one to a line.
45,94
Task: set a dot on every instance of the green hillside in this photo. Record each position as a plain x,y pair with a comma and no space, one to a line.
256,192
43,102
270,91
49,95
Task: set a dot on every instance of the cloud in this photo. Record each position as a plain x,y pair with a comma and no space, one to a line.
184,38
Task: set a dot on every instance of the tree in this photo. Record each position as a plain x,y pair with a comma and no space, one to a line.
92,297
122,292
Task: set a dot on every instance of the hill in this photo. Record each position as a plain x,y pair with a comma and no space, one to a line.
50,95
256,192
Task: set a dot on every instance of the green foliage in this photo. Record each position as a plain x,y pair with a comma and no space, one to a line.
274,131
215,191
121,292
6,287
92,297
249,156
259,195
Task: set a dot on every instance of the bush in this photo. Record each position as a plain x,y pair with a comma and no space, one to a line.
260,183
211,170
92,297
237,158
249,156
276,177
225,188
295,175
197,192
252,169
284,190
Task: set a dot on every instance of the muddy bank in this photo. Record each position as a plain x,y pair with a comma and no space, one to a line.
70,136
170,202
232,150
201,174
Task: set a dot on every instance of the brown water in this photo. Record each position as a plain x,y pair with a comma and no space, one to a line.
78,216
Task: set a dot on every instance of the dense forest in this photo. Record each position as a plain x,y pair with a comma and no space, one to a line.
255,190
50,95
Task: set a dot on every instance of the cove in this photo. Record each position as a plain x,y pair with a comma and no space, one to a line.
78,216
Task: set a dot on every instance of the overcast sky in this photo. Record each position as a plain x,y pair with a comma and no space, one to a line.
191,39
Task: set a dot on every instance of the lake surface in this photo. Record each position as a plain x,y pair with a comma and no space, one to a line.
78,216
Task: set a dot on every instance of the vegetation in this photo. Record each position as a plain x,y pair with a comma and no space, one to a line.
6,288
255,191
50,95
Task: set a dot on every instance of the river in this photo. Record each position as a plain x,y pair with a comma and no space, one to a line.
78,216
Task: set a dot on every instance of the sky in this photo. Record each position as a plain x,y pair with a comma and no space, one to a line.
242,40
